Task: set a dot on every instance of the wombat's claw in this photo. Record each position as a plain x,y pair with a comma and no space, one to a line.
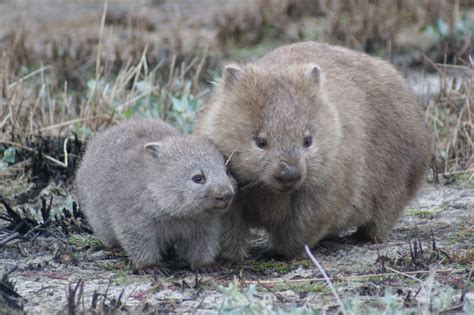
153,271
363,236
205,268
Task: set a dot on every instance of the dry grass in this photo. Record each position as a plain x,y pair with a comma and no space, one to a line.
380,27
62,83
451,117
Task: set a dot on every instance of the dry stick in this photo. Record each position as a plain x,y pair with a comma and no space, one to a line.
328,281
9,238
230,157
406,275
5,120
464,289
50,158
29,75
69,122
199,69
99,48
354,278
276,294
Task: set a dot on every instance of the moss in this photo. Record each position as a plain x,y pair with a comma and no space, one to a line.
123,277
427,213
464,232
281,267
83,242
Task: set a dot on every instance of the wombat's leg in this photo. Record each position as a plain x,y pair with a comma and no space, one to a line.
201,245
382,223
289,241
142,244
234,234
374,231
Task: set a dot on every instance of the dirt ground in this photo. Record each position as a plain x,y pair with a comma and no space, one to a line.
441,219
425,265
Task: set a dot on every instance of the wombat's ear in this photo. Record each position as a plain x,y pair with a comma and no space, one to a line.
153,148
313,72
232,74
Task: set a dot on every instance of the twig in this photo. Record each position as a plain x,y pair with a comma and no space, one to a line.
9,238
276,294
352,278
230,157
464,289
29,75
50,158
99,48
328,281
69,122
405,274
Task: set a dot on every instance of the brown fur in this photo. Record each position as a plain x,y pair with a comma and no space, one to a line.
369,153
139,194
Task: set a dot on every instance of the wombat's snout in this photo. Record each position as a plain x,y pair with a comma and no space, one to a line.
286,174
222,196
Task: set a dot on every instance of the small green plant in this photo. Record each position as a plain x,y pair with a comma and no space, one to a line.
280,266
246,302
8,156
85,242
441,30
183,112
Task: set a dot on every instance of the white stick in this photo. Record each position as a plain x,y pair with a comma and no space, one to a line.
333,289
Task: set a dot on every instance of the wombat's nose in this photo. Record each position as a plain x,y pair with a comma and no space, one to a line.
222,196
287,174
226,196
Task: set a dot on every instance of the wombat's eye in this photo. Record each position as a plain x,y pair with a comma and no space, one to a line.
199,179
308,141
261,142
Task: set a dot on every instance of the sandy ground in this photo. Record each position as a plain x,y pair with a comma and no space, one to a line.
46,268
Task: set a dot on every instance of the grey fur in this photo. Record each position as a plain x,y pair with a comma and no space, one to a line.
368,157
144,199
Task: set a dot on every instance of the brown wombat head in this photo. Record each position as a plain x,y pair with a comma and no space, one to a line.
272,119
188,174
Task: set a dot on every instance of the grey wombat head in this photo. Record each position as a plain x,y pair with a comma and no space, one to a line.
188,176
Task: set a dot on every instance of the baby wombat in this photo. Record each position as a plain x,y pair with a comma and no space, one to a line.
144,186
323,139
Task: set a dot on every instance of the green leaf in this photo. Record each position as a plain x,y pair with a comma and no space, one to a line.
9,155
443,27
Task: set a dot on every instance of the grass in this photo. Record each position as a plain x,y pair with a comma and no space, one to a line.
280,267
246,301
58,88
427,213
85,242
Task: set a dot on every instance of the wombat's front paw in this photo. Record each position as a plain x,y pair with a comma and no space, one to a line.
236,256
368,234
205,267
152,270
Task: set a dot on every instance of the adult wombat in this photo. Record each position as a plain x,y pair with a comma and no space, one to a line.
324,139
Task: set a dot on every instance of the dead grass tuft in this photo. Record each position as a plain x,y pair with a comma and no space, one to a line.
451,117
